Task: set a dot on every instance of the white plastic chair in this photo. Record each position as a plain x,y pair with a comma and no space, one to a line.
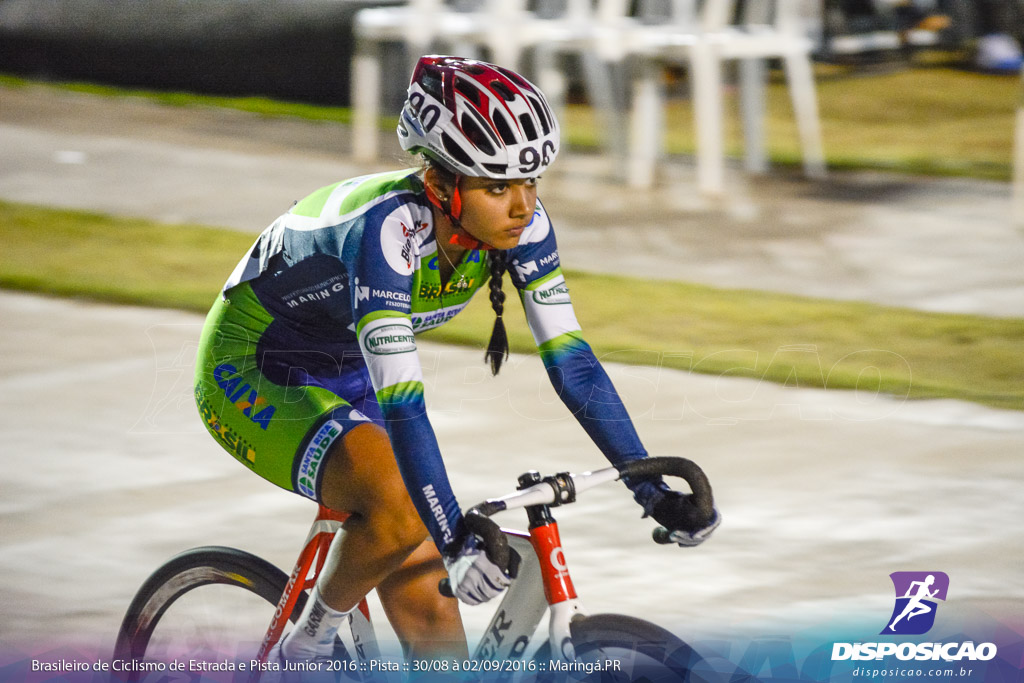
418,26
772,29
704,42
584,28
504,29
677,39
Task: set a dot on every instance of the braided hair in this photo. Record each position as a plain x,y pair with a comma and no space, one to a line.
497,347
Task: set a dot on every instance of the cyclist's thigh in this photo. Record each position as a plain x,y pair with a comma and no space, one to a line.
362,475
282,430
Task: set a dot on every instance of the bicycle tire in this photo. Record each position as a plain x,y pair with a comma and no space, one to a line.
186,572
652,653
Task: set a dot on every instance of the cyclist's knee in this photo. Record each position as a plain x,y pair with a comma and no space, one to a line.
362,477
417,610
430,621
395,523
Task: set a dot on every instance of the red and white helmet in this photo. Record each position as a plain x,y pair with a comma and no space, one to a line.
478,119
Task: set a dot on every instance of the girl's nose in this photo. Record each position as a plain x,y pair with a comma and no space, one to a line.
520,205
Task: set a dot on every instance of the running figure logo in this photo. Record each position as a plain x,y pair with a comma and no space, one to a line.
916,593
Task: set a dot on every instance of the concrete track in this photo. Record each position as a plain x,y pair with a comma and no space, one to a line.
107,470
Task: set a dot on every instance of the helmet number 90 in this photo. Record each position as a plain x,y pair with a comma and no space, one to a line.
530,159
427,115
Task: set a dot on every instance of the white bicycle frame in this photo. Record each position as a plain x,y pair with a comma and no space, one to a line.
543,582
522,608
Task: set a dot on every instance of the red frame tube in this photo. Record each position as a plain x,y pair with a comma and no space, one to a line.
301,577
555,572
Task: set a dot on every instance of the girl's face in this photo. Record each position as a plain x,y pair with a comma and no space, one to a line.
497,211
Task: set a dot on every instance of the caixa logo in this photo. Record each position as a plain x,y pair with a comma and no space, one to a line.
245,398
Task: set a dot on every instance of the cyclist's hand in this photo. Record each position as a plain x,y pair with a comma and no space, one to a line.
686,525
474,577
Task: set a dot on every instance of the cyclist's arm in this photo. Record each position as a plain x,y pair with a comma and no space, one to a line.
386,339
389,347
584,386
575,372
579,378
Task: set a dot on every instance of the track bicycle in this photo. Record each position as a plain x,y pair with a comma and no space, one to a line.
159,624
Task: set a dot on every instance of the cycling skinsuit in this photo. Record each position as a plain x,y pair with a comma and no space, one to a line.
315,333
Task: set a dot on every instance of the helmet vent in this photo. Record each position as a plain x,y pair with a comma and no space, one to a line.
468,91
514,77
431,84
503,90
476,135
528,127
455,150
504,129
541,114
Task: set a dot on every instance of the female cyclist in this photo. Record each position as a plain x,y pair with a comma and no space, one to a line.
308,371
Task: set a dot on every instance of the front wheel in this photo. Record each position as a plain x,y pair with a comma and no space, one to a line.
208,603
612,647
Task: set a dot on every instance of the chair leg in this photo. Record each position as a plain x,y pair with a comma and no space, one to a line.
752,107
644,132
550,78
805,108
708,112
366,75
608,107
1018,169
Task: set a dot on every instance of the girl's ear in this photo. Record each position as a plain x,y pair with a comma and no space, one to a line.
434,180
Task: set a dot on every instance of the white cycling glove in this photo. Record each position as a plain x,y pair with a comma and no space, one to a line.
688,539
474,578
686,525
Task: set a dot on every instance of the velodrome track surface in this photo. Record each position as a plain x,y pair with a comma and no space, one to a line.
107,470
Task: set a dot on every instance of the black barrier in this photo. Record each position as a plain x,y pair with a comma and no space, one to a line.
287,49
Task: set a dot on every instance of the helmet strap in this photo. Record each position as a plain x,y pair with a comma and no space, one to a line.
456,200
452,209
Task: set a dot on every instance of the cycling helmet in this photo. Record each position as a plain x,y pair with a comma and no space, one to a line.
478,119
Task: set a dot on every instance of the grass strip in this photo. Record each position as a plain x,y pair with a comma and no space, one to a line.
792,340
263,106
927,120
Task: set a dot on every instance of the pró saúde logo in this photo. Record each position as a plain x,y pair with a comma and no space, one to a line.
309,468
916,596
914,613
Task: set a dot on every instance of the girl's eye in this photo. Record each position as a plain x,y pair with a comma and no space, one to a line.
498,189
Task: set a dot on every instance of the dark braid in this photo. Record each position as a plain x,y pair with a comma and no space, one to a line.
497,348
